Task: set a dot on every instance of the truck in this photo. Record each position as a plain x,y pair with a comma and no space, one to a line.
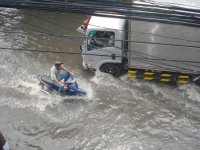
148,50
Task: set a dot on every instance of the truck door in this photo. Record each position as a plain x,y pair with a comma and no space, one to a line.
100,47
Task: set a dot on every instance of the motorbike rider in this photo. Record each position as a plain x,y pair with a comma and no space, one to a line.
55,74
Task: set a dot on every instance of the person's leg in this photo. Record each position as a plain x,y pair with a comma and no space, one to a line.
58,86
64,75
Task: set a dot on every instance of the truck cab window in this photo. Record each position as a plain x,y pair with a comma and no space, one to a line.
100,39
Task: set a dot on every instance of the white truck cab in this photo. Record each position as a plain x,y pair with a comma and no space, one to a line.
104,44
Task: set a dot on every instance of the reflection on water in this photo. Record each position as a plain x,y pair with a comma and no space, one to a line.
116,114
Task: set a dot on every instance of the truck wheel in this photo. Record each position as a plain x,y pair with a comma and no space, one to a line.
111,69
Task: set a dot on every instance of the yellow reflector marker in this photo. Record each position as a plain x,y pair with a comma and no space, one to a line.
148,73
165,75
184,77
131,71
132,76
165,80
182,81
148,78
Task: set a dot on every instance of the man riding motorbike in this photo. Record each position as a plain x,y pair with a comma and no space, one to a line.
55,74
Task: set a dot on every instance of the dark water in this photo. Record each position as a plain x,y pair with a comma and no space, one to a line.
117,114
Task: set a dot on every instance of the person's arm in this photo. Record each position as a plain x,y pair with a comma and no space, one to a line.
58,82
53,77
67,70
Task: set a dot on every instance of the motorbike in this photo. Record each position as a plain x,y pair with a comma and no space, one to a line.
70,89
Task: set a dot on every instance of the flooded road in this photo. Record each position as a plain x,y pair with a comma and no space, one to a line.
117,114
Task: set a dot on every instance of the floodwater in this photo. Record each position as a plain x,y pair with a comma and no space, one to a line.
117,114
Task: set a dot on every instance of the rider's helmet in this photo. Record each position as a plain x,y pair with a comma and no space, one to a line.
58,63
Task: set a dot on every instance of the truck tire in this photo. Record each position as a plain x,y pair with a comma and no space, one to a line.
111,69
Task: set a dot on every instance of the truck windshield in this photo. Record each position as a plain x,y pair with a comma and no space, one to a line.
100,39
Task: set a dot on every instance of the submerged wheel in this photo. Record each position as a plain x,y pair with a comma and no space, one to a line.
111,69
